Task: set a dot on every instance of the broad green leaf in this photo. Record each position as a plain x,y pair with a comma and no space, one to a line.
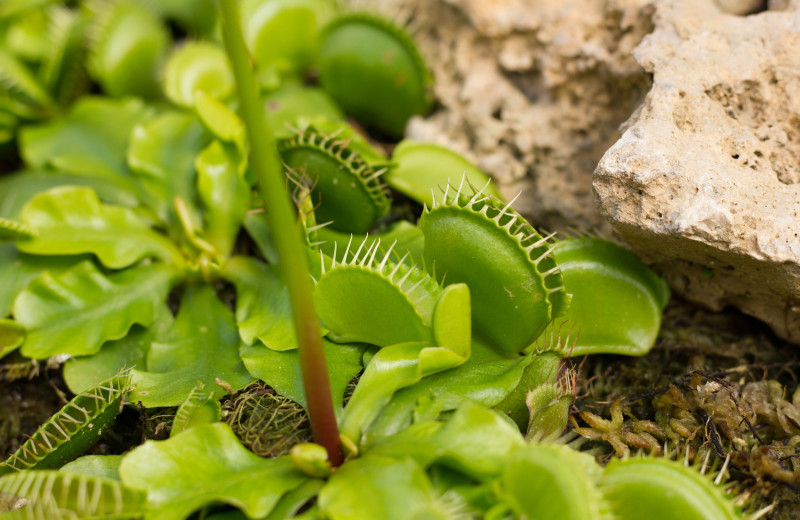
60,495
262,303
77,311
12,335
18,188
203,465
18,269
617,300
90,140
83,372
424,169
475,440
69,220
392,368
202,345
105,466
161,156
373,486
281,370
224,192
486,382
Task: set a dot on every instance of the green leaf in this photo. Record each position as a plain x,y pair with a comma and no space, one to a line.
77,311
105,466
281,370
69,220
258,228
83,372
203,465
202,345
296,105
617,300
262,303
423,169
486,382
14,230
377,487
91,140
224,192
26,97
161,156
12,335
18,269
475,441
18,188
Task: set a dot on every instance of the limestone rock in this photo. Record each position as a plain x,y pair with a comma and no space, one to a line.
705,180
532,91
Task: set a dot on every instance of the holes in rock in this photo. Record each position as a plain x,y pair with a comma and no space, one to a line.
735,156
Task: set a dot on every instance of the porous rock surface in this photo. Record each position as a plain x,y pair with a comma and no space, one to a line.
705,180
533,91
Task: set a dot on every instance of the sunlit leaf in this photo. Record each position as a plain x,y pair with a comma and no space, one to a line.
161,156
224,192
105,466
281,370
77,311
18,188
90,140
11,336
69,220
18,269
262,303
83,372
203,465
202,345
377,487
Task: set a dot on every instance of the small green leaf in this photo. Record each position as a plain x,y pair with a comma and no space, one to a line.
90,140
617,300
69,220
377,487
281,370
83,372
219,119
18,269
202,345
203,465
262,303
224,192
161,156
12,335
18,188
195,66
486,382
27,97
77,311
424,169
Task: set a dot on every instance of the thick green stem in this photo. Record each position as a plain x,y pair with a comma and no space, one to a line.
266,163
